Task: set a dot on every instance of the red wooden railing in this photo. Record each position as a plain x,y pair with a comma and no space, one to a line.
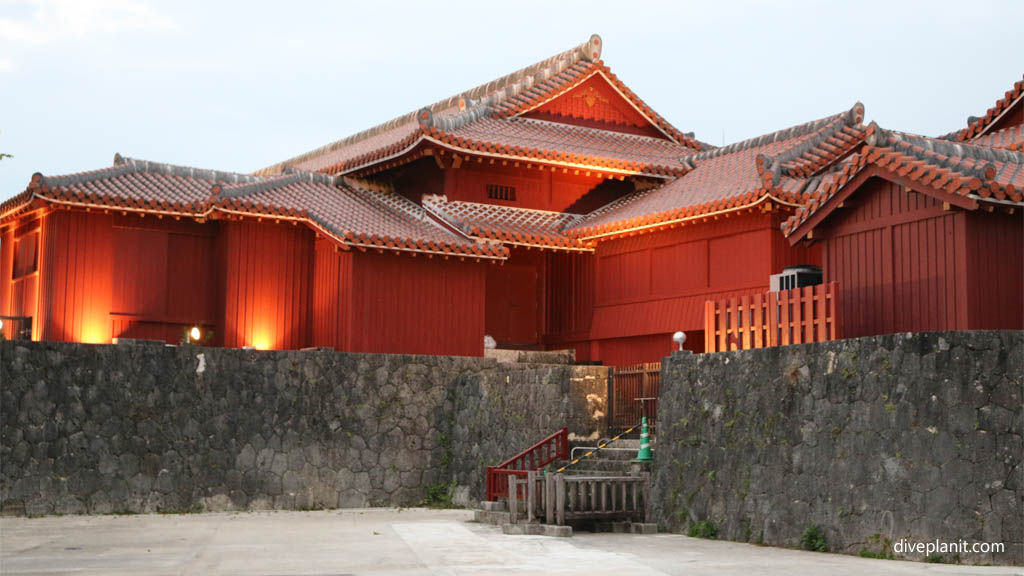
808,314
548,450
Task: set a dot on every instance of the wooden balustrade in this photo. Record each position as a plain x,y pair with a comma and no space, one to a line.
558,498
801,315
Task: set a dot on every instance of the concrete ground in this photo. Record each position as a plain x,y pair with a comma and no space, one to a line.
389,541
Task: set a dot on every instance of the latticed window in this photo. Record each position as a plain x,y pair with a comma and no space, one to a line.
498,192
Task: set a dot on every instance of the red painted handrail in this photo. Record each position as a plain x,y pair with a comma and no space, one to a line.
554,447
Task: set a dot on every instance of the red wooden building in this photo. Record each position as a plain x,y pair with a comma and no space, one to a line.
550,208
926,233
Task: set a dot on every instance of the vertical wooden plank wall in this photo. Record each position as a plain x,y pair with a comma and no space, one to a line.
570,293
995,269
268,290
332,296
6,264
900,262
76,255
417,305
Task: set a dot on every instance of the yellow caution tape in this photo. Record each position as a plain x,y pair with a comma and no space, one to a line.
576,461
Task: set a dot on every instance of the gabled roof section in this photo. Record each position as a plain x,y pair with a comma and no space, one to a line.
962,174
1011,103
507,224
353,213
485,121
779,165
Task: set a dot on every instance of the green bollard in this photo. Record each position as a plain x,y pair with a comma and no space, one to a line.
644,455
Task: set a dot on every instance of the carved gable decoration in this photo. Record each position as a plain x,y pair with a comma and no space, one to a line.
595,103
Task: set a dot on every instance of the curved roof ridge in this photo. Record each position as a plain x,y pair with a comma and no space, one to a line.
849,117
124,165
979,125
589,51
952,150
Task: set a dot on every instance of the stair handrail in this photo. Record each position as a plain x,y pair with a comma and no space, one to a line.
600,446
551,449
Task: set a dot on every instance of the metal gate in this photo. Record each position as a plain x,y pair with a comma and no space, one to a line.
634,394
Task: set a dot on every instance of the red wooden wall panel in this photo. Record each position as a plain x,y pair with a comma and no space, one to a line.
140,272
76,277
268,285
596,103
6,267
407,305
535,188
570,294
898,258
165,279
332,296
741,259
995,269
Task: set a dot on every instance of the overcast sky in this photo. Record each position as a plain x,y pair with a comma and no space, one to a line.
240,85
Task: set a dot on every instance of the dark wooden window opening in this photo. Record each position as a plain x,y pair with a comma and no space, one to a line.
498,192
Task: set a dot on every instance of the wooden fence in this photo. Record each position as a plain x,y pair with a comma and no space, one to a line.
633,387
801,315
559,498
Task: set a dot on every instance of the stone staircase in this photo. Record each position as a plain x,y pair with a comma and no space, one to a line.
496,513
604,462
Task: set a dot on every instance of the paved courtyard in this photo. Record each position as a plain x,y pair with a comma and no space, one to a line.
389,541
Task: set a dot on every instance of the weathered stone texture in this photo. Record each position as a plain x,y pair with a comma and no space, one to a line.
915,436
100,429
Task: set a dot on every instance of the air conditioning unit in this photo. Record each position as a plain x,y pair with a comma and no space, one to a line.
795,277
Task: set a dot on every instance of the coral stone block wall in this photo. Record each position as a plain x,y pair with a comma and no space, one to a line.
147,428
907,436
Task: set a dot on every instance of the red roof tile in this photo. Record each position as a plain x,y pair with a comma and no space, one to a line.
978,126
507,224
1011,138
483,121
779,164
956,170
354,215
567,144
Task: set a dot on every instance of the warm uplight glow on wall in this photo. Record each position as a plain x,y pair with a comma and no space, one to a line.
93,333
261,341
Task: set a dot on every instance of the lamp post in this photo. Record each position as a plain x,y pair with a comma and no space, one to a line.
679,338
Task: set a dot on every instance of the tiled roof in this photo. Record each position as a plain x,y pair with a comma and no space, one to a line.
484,121
355,215
1011,138
977,126
780,164
955,170
136,185
507,224
567,144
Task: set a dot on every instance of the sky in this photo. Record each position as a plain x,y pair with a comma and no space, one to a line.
241,85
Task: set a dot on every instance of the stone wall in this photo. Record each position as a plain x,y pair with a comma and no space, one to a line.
915,437
143,428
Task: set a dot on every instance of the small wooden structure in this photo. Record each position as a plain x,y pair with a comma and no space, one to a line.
561,498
